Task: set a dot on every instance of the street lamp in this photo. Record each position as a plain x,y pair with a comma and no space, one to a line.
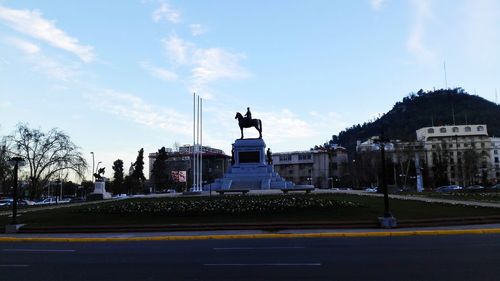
16,162
92,166
387,221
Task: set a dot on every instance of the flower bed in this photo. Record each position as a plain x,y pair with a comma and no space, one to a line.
219,206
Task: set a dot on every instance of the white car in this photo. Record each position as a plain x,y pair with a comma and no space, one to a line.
47,201
6,202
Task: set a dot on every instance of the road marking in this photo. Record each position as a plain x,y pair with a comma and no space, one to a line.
262,264
14,265
257,248
39,250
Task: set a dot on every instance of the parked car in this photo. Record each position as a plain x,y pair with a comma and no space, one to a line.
47,201
475,187
495,187
448,188
371,189
6,202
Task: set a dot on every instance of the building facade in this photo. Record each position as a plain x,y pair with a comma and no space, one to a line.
214,164
459,154
321,168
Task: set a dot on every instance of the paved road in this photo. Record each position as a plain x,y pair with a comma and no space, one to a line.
466,257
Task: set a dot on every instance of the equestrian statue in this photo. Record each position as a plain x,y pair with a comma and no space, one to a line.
247,122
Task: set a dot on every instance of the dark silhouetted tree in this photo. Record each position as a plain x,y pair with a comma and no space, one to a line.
47,154
117,186
159,173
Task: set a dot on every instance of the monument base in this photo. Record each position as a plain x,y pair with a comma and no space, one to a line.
100,188
250,170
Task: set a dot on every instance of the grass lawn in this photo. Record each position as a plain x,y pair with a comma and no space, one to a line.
244,209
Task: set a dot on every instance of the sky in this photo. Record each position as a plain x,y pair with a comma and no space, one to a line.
117,76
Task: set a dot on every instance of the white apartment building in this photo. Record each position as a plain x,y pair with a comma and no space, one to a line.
466,152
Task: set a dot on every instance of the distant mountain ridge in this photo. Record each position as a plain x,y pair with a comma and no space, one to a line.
425,109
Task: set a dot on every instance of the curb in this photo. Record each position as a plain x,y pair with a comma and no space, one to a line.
258,236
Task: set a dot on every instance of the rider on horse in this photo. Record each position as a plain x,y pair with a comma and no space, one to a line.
248,115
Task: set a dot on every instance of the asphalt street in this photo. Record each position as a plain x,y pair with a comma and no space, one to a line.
449,257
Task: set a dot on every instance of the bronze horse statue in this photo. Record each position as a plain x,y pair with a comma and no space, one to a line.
245,123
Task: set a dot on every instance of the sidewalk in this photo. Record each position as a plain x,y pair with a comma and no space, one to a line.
421,198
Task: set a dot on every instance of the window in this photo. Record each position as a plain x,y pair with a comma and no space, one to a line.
480,128
455,129
495,152
467,129
286,157
442,130
430,131
290,172
482,144
496,159
305,156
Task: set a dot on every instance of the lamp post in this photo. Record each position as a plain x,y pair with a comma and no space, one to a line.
16,162
92,165
387,220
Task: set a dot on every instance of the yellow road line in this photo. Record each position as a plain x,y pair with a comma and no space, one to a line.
256,236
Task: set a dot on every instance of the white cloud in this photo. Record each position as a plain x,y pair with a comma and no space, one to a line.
33,24
131,107
415,42
167,13
55,69
159,72
25,46
206,65
215,63
178,50
377,4
197,29
285,126
50,67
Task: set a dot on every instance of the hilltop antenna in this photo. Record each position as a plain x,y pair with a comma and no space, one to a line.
453,113
432,120
466,123
445,79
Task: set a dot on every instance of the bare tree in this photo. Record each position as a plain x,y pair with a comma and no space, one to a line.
46,154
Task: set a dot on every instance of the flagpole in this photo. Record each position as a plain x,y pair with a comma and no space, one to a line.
201,144
194,143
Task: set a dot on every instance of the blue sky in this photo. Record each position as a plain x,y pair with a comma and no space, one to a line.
119,75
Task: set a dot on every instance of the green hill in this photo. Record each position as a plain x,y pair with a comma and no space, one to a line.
425,109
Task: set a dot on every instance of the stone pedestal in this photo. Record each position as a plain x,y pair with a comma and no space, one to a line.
250,170
388,222
100,188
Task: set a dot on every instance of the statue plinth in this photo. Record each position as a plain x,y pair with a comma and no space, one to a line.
250,169
100,188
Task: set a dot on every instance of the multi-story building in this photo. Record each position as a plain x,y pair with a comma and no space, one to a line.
215,163
495,158
321,168
459,154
